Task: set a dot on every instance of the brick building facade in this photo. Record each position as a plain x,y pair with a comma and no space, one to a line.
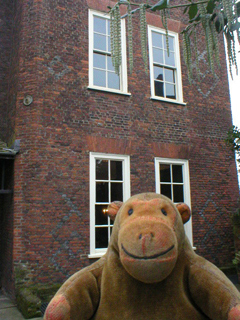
88,137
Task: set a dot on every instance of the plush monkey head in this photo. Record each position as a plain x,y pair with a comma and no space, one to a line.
148,233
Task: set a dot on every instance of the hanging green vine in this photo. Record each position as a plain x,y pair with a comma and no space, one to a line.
215,17
130,38
143,34
115,34
165,25
187,54
196,52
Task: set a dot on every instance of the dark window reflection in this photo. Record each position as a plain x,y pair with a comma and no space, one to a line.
116,191
165,174
102,192
177,173
101,238
116,170
178,193
101,216
158,73
159,89
102,169
166,190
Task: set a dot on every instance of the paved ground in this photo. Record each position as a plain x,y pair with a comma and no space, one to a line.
9,311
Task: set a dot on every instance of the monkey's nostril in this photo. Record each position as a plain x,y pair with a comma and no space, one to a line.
140,236
152,235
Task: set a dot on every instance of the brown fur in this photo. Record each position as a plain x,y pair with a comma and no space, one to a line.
149,272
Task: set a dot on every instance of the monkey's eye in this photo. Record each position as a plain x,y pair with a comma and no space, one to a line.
164,212
130,211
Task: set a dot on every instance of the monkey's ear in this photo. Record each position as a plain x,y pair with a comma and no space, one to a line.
184,211
113,209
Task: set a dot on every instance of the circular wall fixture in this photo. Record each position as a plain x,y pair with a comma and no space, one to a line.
27,100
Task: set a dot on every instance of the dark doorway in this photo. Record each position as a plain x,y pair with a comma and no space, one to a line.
6,223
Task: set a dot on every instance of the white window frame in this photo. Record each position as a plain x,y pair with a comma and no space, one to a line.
123,68
186,189
178,73
95,253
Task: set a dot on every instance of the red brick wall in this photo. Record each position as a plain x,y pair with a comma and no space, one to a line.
67,120
6,21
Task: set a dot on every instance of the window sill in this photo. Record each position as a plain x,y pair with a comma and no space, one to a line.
96,255
169,101
109,90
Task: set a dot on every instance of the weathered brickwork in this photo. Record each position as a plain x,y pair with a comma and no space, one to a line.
6,20
67,120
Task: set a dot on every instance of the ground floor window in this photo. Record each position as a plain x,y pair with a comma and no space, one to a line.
109,181
172,180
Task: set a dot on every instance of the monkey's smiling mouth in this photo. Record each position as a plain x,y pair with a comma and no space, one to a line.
147,257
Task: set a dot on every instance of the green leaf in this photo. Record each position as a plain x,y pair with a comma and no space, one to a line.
192,12
219,22
162,4
210,6
235,26
196,18
238,8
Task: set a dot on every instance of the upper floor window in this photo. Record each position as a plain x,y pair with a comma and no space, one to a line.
172,180
102,74
109,181
165,68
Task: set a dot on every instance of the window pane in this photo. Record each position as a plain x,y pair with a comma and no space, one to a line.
170,42
158,73
110,66
109,44
157,39
101,238
99,61
102,192
165,175
99,25
101,216
116,170
159,88
178,193
99,78
102,169
166,190
170,91
99,42
116,191
157,55
169,75
177,173
169,60
113,81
